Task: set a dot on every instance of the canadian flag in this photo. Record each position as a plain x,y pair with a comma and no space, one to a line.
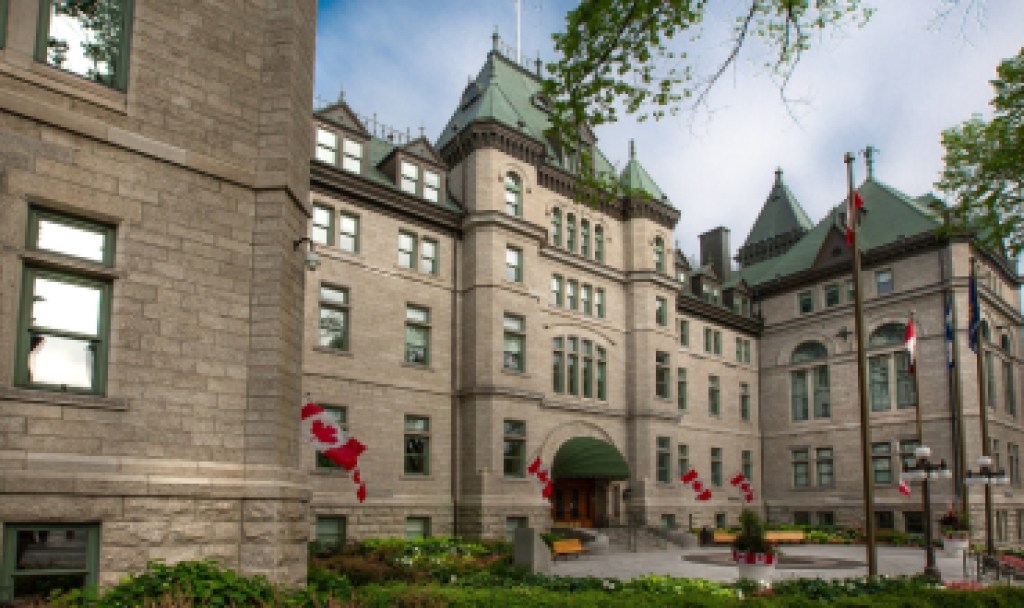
689,476
738,479
705,495
854,204
904,488
910,343
322,431
543,476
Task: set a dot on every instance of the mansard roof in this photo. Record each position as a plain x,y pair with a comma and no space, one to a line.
635,178
780,214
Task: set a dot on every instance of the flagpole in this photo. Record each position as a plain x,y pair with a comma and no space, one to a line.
917,386
865,420
953,360
979,353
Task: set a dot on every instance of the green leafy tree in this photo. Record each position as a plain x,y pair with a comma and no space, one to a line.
985,165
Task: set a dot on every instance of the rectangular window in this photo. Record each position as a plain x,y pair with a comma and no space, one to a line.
515,343
406,250
801,518
514,264
570,232
718,342
588,369
352,159
1008,387
747,465
805,302
334,307
739,350
744,401
330,533
431,186
907,456
663,458
661,311
339,416
714,403
684,332
746,351
822,392
709,339
556,290
417,335
832,295
64,325
849,290
514,448
826,519
681,388
410,177
322,232
585,238
883,282
720,521
826,466
990,380
90,39
599,243
572,368
348,233
41,558
602,374
327,146
429,262
913,522
599,303
905,396
885,520
881,463
878,383
558,365
556,227
586,299
801,468
570,294
417,445
417,527
716,467
661,373
683,457
3,33
799,408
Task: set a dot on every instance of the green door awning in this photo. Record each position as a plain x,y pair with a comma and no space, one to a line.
589,458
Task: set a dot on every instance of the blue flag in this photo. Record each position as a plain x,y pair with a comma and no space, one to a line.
949,334
973,312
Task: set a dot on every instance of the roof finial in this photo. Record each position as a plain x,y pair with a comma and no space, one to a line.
778,175
869,160
632,150
495,38
341,94
538,64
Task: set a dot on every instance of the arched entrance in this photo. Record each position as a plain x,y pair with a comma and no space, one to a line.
582,469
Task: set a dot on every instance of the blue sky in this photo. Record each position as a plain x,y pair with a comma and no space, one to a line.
895,84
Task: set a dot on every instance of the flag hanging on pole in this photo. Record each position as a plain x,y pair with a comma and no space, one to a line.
854,204
950,362
910,343
904,488
973,311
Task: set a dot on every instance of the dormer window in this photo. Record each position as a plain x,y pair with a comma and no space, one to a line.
431,186
327,146
353,160
513,195
410,177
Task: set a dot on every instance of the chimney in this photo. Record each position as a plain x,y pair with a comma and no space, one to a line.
714,250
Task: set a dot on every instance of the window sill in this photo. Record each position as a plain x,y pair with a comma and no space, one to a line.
411,477
515,372
45,397
523,479
70,264
425,368
332,351
66,83
339,473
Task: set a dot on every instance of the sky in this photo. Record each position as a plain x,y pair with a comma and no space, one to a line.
918,67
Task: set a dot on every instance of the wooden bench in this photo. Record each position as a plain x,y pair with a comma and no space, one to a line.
784,536
567,546
721,536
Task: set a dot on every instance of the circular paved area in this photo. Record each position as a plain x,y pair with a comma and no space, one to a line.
785,562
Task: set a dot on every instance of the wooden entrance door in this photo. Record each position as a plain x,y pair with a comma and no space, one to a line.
573,503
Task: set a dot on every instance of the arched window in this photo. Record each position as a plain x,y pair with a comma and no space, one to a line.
556,227
659,254
585,238
810,382
570,232
599,243
890,372
513,194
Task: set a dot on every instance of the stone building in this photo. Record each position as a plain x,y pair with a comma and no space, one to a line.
185,255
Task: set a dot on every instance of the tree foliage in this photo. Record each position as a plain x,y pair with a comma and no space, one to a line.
984,164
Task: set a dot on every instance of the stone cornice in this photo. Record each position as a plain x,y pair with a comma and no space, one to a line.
699,308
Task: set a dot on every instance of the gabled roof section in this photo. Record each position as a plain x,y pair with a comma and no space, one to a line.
635,178
780,214
342,115
421,149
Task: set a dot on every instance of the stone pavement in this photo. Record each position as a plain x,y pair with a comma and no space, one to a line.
797,561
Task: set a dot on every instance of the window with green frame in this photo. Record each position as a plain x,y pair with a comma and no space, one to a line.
681,388
3,23
661,311
514,448
417,335
333,325
514,358
89,39
322,232
661,373
331,532
40,558
340,417
663,458
64,329
417,445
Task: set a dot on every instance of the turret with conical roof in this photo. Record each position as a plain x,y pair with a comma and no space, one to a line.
779,225
634,178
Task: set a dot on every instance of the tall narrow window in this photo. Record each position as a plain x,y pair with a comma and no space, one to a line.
661,374
599,243
556,227
747,465
410,177
90,39
739,350
514,448
663,459
990,380
714,397
570,232
339,416
905,395
588,369
805,302
406,250
661,311
801,468
515,343
825,466
599,305
832,295
799,407
716,467
558,365
878,383
718,342
417,335
585,238
1008,386
327,146
429,262
348,233
681,388
744,401
514,264
417,445
881,463
908,457
322,232
602,374
353,156
570,294
709,338
333,318
572,367
431,186
683,458
556,290
513,195
883,282
822,392
659,254
586,299
684,332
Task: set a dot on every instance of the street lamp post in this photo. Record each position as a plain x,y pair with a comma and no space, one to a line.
924,470
986,476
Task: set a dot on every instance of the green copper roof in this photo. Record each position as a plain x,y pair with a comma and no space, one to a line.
889,215
589,458
635,177
780,214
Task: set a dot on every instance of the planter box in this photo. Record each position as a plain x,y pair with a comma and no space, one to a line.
954,547
758,567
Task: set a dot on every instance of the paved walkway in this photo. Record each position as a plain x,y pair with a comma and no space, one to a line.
715,563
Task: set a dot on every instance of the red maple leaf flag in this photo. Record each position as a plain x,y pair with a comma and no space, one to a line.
853,206
910,343
546,492
534,466
705,495
698,486
361,492
904,488
738,479
346,456
356,477
689,476
320,428
745,486
749,497
543,476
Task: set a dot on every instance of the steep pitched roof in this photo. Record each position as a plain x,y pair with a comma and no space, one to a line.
889,215
780,214
635,177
